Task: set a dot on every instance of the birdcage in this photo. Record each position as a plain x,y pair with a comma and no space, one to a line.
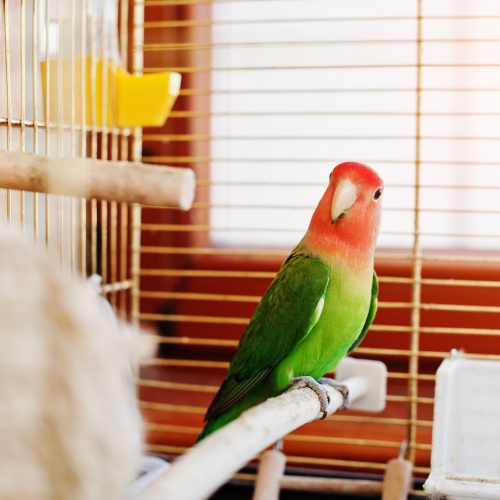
47,108
274,94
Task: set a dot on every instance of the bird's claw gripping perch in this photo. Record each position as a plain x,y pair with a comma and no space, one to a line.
342,388
324,399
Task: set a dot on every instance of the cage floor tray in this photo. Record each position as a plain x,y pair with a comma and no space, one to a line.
466,435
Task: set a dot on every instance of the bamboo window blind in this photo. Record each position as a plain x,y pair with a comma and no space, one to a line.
274,94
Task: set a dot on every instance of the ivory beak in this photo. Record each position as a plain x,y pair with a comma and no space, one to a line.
344,197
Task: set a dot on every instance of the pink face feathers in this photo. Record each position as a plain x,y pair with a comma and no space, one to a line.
347,218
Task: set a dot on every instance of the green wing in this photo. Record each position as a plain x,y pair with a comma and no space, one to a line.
371,314
286,314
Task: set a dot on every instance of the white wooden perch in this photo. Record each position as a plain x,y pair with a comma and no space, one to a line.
99,179
212,462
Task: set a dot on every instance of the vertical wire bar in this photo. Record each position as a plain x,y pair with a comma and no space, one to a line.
60,139
416,253
123,253
93,134
23,107
83,135
72,86
113,217
72,80
8,95
34,69
47,114
137,66
105,65
124,33
124,156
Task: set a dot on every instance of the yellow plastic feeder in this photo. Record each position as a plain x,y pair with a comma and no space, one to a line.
111,95
145,100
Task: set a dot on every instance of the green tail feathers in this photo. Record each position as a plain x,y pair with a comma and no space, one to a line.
216,423
207,430
252,398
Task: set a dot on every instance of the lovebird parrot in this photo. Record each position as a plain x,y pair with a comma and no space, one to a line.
318,307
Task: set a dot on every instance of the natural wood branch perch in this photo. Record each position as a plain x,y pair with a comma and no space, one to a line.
211,463
99,179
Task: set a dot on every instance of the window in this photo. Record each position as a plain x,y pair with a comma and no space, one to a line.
301,86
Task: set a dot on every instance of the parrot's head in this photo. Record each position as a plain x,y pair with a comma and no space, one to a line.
347,218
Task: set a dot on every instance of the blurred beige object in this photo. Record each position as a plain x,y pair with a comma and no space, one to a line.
69,425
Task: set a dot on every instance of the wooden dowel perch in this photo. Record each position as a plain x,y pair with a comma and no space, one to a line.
212,462
330,485
271,480
397,479
99,179
271,469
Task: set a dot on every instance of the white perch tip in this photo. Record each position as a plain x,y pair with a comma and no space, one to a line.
367,382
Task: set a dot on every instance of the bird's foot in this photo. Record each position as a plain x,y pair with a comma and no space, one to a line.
305,381
342,388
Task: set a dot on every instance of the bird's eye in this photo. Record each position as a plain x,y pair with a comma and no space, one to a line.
377,193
